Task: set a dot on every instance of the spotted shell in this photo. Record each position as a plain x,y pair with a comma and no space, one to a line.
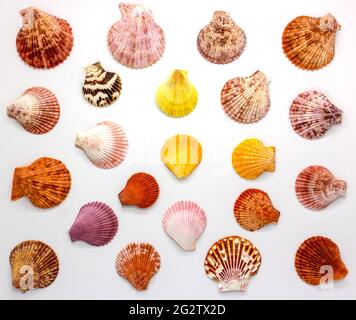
34,265
317,188
44,41
318,259
46,182
138,263
309,43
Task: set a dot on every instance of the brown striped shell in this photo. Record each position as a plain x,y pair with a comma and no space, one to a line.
46,182
34,264
318,259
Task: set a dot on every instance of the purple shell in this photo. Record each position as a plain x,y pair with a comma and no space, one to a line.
95,224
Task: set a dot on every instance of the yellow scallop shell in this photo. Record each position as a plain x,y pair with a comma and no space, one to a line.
177,97
251,158
181,154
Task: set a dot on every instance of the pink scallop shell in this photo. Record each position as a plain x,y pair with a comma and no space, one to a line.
95,224
184,222
136,40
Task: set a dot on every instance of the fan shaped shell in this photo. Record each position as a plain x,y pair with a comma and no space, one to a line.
251,158
37,110
34,265
138,263
105,144
319,258
221,41
136,40
95,224
46,182
253,210
309,43
184,222
232,261
316,188
44,41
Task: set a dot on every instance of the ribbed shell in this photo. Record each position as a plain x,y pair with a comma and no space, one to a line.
105,144
251,158
44,41
246,100
95,224
46,182
177,97
184,222
136,40
232,261
309,43
316,188
315,256
37,110
141,190
138,263
182,154
253,210
101,88
221,41
312,115
34,264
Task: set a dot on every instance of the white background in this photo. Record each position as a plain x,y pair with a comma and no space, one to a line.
88,272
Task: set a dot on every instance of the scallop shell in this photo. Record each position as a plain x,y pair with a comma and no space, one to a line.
177,97
246,100
317,188
34,264
138,263
37,110
44,41
251,158
316,256
309,43
136,40
184,222
221,41
181,154
253,210
312,115
95,224
141,190
46,182
232,261
101,88
105,144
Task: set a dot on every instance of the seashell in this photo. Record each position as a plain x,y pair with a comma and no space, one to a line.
184,222
232,261
309,43
181,154
177,97
246,100
253,210
136,40
138,263
34,265
222,40
46,182
317,188
141,190
105,144
37,110
101,88
95,224
312,115
319,259
44,41
251,158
